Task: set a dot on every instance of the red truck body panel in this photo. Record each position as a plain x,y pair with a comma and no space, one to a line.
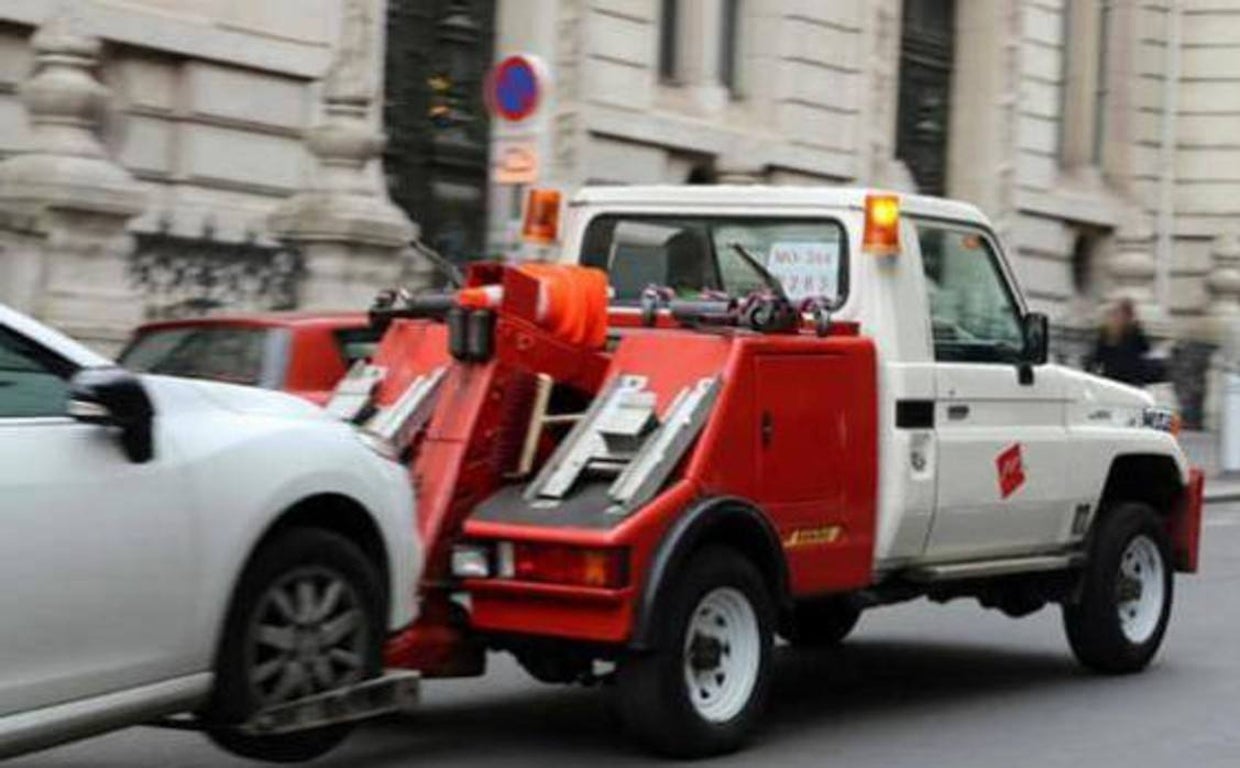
793,431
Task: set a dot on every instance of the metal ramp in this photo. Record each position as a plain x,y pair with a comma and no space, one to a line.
398,424
620,436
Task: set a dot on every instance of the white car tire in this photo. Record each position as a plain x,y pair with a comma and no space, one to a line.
307,617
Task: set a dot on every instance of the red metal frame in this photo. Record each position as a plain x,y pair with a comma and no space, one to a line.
805,385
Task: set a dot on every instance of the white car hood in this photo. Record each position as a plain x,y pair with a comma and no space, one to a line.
238,399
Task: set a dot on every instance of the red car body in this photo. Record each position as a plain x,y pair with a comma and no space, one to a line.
305,354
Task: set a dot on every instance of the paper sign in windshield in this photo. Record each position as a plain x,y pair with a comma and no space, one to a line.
806,269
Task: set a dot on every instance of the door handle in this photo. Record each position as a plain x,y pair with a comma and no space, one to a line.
957,412
768,429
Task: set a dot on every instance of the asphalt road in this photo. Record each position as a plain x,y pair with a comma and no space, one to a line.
918,685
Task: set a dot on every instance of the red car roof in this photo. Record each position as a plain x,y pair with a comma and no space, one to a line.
266,320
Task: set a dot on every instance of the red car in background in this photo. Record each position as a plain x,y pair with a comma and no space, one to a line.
300,353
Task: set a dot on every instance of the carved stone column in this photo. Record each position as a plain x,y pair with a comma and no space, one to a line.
1131,268
1223,282
352,236
64,204
1222,325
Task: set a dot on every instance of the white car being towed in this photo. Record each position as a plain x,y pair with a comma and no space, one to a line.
172,546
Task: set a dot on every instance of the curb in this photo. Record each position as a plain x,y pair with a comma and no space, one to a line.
1222,496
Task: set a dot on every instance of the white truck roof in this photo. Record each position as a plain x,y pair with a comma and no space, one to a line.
751,195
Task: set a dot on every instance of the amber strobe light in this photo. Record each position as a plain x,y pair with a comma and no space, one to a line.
573,566
882,225
542,217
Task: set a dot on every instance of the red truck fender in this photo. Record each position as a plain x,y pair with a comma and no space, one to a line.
733,521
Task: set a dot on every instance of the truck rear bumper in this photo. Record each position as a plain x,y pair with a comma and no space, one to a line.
571,613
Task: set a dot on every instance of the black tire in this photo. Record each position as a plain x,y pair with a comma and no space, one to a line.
296,556
1095,628
823,623
653,690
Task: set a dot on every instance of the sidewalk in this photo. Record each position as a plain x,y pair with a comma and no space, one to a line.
1202,450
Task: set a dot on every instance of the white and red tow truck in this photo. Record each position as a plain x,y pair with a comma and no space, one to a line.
737,413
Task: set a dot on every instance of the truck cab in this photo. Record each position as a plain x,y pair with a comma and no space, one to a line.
987,451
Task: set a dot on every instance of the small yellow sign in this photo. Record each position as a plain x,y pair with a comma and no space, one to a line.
517,165
809,537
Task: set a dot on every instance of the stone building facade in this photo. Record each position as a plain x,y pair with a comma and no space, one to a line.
175,156
1098,134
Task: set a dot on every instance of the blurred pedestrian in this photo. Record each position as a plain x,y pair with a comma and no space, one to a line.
1121,349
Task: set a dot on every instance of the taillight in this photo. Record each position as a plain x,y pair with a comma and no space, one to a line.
881,236
574,566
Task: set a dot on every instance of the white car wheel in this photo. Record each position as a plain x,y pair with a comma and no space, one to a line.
308,634
307,617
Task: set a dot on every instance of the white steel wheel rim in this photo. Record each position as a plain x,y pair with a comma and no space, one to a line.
722,654
1141,589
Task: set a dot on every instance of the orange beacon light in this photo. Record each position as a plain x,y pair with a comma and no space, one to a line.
882,225
542,217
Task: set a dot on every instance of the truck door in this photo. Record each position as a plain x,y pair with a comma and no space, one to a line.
1002,439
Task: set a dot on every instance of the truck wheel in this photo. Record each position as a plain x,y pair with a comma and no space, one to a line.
1119,620
702,690
823,623
307,617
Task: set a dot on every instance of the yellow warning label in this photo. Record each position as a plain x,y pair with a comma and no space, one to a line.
809,537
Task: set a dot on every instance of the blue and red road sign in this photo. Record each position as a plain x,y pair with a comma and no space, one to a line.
515,88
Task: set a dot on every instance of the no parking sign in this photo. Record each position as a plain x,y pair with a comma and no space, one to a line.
516,87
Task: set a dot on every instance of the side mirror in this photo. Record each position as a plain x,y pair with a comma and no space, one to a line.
114,397
1036,330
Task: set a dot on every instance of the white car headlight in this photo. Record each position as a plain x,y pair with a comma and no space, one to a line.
1162,419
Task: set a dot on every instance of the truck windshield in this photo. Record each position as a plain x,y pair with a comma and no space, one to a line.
233,354
695,254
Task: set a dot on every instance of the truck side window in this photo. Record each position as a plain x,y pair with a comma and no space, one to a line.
972,311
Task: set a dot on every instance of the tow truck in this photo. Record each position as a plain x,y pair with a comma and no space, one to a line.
735,413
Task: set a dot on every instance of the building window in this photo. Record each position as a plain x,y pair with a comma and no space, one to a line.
669,31
1100,88
1085,261
926,61
729,45
1086,33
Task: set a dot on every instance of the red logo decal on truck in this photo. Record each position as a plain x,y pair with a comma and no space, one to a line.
1011,470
